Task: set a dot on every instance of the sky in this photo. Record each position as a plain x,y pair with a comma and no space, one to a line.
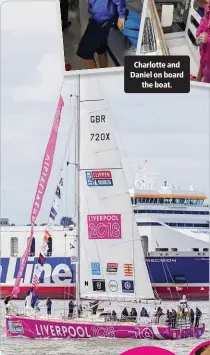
170,131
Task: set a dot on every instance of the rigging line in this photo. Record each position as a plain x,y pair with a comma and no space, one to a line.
119,136
163,266
64,157
165,225
85,169
152,281
91,100
95,242
162,263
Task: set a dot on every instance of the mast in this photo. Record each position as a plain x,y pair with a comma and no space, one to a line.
77,180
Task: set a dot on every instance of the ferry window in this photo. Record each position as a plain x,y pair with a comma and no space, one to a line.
161,200
49,243
32,249
14,246
147,200
179,278
193,202
143,200
155,200
132,200
181,200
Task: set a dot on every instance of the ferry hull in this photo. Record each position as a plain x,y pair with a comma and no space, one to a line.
49,329
193,293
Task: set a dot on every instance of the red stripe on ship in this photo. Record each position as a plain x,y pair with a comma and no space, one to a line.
61,292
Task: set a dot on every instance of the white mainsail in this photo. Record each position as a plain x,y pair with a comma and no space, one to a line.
111,257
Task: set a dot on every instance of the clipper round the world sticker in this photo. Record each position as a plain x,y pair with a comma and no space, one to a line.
147,350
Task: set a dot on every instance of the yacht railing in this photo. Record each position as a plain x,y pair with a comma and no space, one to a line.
180,323
193,21
153,41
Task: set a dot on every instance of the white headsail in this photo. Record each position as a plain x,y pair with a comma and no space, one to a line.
111,255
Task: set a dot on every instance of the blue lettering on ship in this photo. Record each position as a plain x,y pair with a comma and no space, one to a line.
56,270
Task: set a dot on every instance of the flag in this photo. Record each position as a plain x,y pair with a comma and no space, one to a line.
128,269
179,288
35,281
42,184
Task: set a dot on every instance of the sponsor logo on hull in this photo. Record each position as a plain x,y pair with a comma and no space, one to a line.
15,327
62,331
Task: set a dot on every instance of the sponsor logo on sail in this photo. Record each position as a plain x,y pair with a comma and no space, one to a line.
113,285
111,268
99,285
127,286
128,269
95,269
74,259
99,178
104,226
15,327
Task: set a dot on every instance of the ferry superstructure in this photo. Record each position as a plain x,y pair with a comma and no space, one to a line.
174,229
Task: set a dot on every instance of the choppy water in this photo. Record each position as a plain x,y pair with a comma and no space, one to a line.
97,346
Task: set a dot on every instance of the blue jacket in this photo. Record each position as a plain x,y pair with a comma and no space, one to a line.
103,10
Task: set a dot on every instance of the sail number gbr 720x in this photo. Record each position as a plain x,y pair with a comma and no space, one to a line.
99,137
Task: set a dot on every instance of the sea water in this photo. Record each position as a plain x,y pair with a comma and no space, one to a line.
95,346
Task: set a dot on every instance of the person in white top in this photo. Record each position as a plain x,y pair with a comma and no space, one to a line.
183,302
8,305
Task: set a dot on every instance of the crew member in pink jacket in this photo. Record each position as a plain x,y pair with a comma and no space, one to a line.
203,40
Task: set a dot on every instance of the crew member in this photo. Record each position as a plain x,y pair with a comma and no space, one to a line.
198,315
7,304
71,309
49,306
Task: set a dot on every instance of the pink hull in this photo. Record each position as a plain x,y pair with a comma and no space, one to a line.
39,328
193,293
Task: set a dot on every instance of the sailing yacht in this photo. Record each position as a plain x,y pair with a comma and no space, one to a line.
110,264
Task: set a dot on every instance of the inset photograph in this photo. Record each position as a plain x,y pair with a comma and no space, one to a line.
178,28
98,34
82,35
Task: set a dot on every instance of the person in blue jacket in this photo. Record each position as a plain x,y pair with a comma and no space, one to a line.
103,13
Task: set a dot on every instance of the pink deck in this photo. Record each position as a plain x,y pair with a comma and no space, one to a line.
43,328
